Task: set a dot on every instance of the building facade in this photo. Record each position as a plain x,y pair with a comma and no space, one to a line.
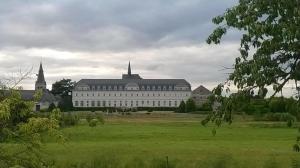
130,92
200,95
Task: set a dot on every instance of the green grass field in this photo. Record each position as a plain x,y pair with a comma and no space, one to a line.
139,141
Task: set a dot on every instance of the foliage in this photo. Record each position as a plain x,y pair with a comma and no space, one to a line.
181,108
89,117
63,87
17,123
190,105
277,105
69,119
269,52
93,122
66,103
271,32
51,107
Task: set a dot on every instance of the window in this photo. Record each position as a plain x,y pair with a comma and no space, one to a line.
98,103
158,103
115,87
81,94
164,88
76,94
175,103
104,103
81,103
76,103
153,103
131,104
170,103
93,103
159,88
148,87
87,95
143,88
142,102
137,103
93,87
109,87
164,103
109,104
104,87
115,103
153,87
120,103
170,87
120,88
87,103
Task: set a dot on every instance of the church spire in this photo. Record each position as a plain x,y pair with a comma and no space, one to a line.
40,82
129,69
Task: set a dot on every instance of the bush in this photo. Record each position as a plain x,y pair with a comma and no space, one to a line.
93,123
51,107
100,118
89,117
279,117
69,119
181,108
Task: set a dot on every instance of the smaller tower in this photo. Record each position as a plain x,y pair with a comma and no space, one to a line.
40,82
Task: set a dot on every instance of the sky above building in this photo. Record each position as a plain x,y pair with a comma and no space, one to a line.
96,38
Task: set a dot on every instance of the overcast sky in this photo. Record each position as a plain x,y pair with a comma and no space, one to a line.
95,39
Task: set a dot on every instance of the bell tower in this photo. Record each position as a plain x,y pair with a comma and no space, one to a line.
40,82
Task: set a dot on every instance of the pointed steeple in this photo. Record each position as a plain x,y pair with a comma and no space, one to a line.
129,69
40,82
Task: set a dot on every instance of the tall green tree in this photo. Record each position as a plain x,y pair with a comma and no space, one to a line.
62,88
181,108
269,50
269,46
190,105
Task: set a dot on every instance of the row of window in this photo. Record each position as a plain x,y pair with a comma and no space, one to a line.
132,103
127,95
120,88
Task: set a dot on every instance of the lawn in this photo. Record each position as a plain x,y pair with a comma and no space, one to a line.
137,141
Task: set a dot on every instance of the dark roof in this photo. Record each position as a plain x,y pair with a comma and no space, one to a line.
138,81
47,96
201,90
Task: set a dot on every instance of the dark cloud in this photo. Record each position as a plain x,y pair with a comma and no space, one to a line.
107,25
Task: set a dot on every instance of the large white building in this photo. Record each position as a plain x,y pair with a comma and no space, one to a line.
130,92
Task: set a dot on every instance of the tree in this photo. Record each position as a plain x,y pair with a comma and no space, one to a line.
271,32
19,124
269,50
62,88
190,105
181,108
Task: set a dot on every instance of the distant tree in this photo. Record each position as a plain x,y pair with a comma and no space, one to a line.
190,105
62,88
181,108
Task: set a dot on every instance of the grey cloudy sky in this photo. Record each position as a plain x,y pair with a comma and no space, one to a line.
96,39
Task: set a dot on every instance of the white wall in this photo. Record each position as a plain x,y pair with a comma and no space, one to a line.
138,98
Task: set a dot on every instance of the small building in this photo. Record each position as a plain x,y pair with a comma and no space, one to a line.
47,97
200,95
